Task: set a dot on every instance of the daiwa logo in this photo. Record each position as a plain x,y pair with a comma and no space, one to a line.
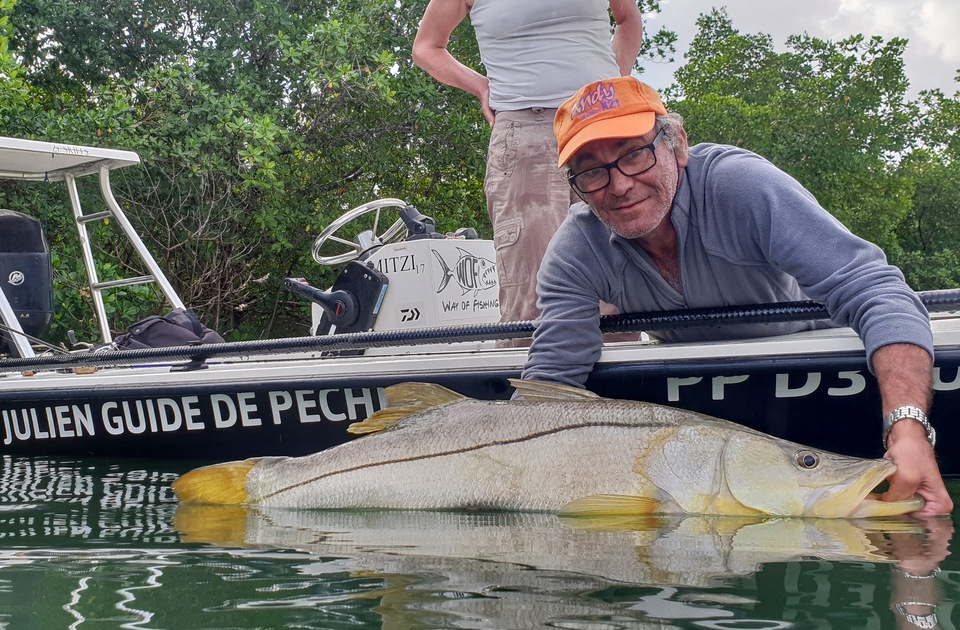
471,272
602,98
16,278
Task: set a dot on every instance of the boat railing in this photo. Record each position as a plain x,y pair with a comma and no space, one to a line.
97,287
46,162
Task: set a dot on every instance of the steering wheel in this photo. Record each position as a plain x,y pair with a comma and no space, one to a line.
361,235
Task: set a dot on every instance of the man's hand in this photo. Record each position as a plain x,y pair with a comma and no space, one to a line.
904,373
917,470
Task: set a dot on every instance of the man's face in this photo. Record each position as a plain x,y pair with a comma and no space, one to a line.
632,206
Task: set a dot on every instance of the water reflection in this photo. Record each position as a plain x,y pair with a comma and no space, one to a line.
104,544
518,570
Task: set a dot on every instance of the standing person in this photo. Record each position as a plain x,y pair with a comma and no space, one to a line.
666,226
536,54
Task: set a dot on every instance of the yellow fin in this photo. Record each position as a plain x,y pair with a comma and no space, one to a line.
545,390
610,505
223,525
405,399
223,484
379,421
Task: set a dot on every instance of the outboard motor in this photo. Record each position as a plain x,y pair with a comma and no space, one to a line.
26,272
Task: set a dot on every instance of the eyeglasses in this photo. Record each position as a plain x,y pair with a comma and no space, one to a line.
638,161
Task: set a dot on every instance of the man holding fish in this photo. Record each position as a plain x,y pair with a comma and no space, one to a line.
664,226
668,226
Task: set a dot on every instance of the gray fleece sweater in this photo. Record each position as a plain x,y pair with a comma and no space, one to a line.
748,233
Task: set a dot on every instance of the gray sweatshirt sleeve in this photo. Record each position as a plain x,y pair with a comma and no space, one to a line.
567,341
780,223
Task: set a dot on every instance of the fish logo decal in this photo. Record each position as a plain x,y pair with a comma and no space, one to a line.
471,272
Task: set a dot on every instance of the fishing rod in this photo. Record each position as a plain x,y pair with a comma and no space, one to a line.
935,301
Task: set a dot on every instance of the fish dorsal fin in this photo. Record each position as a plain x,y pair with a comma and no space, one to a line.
545,390
403,400
610,505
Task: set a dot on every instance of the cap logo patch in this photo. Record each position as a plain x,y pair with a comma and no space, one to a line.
602,98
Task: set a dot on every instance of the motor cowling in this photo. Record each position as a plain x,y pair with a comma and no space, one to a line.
26,271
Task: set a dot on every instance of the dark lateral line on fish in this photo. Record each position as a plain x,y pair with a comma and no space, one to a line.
404,460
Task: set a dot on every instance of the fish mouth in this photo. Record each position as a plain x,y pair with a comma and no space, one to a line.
855,498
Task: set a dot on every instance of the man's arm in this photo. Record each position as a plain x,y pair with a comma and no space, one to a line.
904,374
430,51
853,279
627,34
567,341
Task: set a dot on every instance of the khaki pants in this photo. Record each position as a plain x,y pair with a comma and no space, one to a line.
527,198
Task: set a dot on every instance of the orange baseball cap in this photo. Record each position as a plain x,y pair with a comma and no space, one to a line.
613,108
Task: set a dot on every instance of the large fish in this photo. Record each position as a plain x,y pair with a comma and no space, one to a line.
558,449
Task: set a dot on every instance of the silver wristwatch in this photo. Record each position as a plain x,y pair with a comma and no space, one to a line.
908,411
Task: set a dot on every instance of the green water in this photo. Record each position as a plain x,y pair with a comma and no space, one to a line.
97,544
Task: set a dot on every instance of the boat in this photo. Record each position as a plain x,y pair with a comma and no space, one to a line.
410,304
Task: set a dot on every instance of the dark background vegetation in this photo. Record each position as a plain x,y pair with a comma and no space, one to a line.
261,121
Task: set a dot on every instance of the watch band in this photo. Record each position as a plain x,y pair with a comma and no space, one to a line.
920,621
908,411
929,576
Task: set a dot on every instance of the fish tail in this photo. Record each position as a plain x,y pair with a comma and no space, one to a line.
224,484
447,272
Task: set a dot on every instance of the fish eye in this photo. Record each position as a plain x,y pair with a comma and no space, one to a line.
807,459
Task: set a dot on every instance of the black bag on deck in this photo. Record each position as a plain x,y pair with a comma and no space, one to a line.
179,327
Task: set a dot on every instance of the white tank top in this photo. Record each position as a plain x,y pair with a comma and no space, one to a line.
538,53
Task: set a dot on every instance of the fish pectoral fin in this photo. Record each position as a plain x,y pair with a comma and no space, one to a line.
405,399
224,484
545,390
610,505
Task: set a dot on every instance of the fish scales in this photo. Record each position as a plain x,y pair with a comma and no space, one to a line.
482,458
559,449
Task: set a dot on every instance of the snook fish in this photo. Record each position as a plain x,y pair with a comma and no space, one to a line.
558,449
